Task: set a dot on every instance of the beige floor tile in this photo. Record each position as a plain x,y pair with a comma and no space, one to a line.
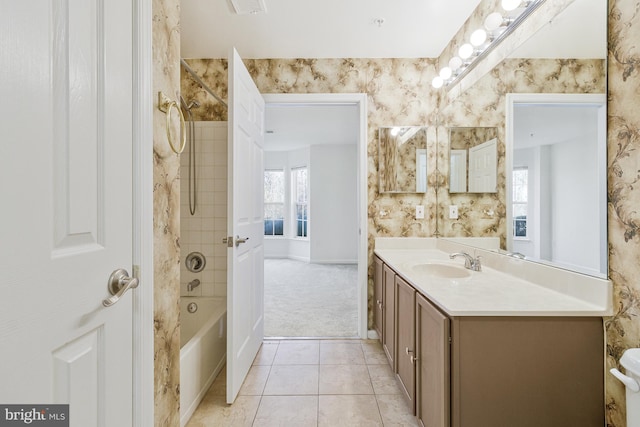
348,411
297,353
219,385
266,353
395,411
298,411
374,353
256,379
216,412
344,379
341,354
292,380
383,379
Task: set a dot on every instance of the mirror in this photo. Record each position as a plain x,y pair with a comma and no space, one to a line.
473,160
567,56
403,159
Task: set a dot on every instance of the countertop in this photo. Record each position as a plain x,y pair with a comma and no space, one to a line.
494,292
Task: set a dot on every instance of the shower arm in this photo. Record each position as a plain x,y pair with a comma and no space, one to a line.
201,83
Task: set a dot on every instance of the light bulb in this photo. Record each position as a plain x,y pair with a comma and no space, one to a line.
395,131
445,73
437,82
493,21
510,4
455,63
478,37
465,51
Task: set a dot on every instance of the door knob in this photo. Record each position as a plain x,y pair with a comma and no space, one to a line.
240,240
119,283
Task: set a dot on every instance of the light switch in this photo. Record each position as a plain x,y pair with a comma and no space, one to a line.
453,211
419,212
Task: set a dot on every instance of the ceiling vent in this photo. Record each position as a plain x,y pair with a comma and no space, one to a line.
248,7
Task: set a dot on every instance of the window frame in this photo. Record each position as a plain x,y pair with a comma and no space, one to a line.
296,205
282,204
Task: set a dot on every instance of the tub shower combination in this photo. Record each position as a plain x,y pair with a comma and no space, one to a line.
203,334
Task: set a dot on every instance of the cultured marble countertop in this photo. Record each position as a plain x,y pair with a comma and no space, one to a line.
505,286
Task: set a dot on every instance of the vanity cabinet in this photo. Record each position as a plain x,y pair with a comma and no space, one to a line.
488,371
377,296
406,338
389,314
432,372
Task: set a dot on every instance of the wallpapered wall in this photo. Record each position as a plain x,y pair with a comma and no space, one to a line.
623,328
400,93
166,218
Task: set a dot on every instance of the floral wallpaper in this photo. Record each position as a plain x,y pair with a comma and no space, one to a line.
623,328
166,218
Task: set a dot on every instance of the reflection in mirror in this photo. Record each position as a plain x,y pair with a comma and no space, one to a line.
403,159
557,191
473,159
566,56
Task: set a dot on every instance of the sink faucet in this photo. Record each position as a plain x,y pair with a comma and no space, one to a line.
469,262
193,284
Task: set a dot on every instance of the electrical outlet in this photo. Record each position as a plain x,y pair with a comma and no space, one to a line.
453,212
419,212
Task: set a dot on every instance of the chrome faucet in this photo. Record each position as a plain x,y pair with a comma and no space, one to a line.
193,284
469,262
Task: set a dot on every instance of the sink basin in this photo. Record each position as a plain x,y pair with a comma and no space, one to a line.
445,271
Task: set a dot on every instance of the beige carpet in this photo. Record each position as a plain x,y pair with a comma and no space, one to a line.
310,300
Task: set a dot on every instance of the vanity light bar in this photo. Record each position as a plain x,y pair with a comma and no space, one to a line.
483,40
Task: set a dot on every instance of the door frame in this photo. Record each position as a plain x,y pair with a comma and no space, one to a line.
142,204
360,100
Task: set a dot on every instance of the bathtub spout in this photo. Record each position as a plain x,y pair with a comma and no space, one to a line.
193,284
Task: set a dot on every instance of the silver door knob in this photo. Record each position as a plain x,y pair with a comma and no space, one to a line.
119,283
240,240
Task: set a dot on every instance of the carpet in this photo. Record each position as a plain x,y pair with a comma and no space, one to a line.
310,300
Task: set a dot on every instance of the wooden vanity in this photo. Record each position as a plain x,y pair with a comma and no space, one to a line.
493,370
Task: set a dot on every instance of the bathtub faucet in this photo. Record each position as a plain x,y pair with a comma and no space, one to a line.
193,284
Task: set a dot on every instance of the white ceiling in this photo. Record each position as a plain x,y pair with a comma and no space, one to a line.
322,29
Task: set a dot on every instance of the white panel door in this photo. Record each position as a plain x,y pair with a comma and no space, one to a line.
483,167
245,272
66,218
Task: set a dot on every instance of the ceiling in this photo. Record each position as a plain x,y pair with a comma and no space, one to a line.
322,28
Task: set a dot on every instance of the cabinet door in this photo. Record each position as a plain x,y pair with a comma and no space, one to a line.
378,277
388,315
433,375
406,322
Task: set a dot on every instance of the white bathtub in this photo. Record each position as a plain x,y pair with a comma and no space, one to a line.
203,351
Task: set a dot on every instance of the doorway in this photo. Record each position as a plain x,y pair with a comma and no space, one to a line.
317,237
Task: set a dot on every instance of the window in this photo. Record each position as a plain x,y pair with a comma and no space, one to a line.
273,202
300,201
520,199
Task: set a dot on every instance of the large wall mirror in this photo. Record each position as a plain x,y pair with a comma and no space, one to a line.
473,160
548,103
403,159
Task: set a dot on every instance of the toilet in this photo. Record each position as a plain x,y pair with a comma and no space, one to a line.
630,360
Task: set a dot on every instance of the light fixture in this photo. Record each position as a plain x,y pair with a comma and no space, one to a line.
445,73
455,63
478,37
496,27
493,21
465,51
395,131
509,5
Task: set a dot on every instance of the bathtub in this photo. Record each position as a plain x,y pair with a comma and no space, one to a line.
203,340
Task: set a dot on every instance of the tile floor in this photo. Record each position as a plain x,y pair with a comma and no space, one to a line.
311,383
